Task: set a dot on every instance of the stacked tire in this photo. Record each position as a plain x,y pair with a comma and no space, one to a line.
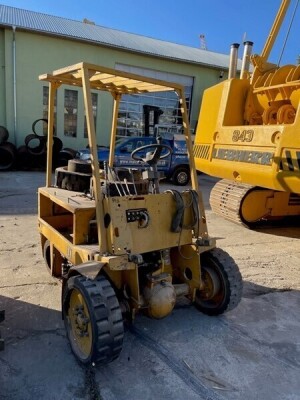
8,151
64,156
32,155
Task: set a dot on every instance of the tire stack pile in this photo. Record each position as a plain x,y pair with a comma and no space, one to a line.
8,151
33,154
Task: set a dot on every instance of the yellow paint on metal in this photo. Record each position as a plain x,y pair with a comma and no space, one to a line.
260,204
128,236
80,324
96,228
254,206
248,128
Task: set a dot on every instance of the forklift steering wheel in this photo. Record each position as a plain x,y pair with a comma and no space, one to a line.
152,157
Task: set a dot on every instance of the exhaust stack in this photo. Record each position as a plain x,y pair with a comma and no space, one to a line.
246,59
233,60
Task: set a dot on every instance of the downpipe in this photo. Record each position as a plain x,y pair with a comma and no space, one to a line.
14,82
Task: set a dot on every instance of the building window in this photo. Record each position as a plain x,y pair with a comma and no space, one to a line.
70,110
45,109
138,114
94,106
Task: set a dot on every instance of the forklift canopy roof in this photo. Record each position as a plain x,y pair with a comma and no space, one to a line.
111,80
90,76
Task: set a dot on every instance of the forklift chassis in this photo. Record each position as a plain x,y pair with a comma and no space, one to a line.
122,246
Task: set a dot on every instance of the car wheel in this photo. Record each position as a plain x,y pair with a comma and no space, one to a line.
181,176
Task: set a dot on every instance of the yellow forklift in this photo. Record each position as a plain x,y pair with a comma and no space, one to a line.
115,241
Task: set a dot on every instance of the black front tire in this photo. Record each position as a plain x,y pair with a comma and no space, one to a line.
93,319
223,283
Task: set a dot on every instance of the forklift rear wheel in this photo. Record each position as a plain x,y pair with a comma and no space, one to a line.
93,319
223,284
53,261
47,255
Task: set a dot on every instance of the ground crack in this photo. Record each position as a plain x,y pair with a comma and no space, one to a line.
30,284
11,194
35,333
262,292
178,367
91,384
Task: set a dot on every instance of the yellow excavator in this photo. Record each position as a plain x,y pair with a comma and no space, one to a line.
248,135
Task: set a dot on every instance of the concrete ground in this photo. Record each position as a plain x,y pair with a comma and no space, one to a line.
250,353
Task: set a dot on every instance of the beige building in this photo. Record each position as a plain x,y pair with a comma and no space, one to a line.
32,43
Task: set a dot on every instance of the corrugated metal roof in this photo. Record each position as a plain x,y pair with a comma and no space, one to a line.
52,25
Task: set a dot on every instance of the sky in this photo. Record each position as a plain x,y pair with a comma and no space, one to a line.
182,21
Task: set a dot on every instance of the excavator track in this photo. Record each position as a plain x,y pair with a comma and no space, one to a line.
247,205
226,198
